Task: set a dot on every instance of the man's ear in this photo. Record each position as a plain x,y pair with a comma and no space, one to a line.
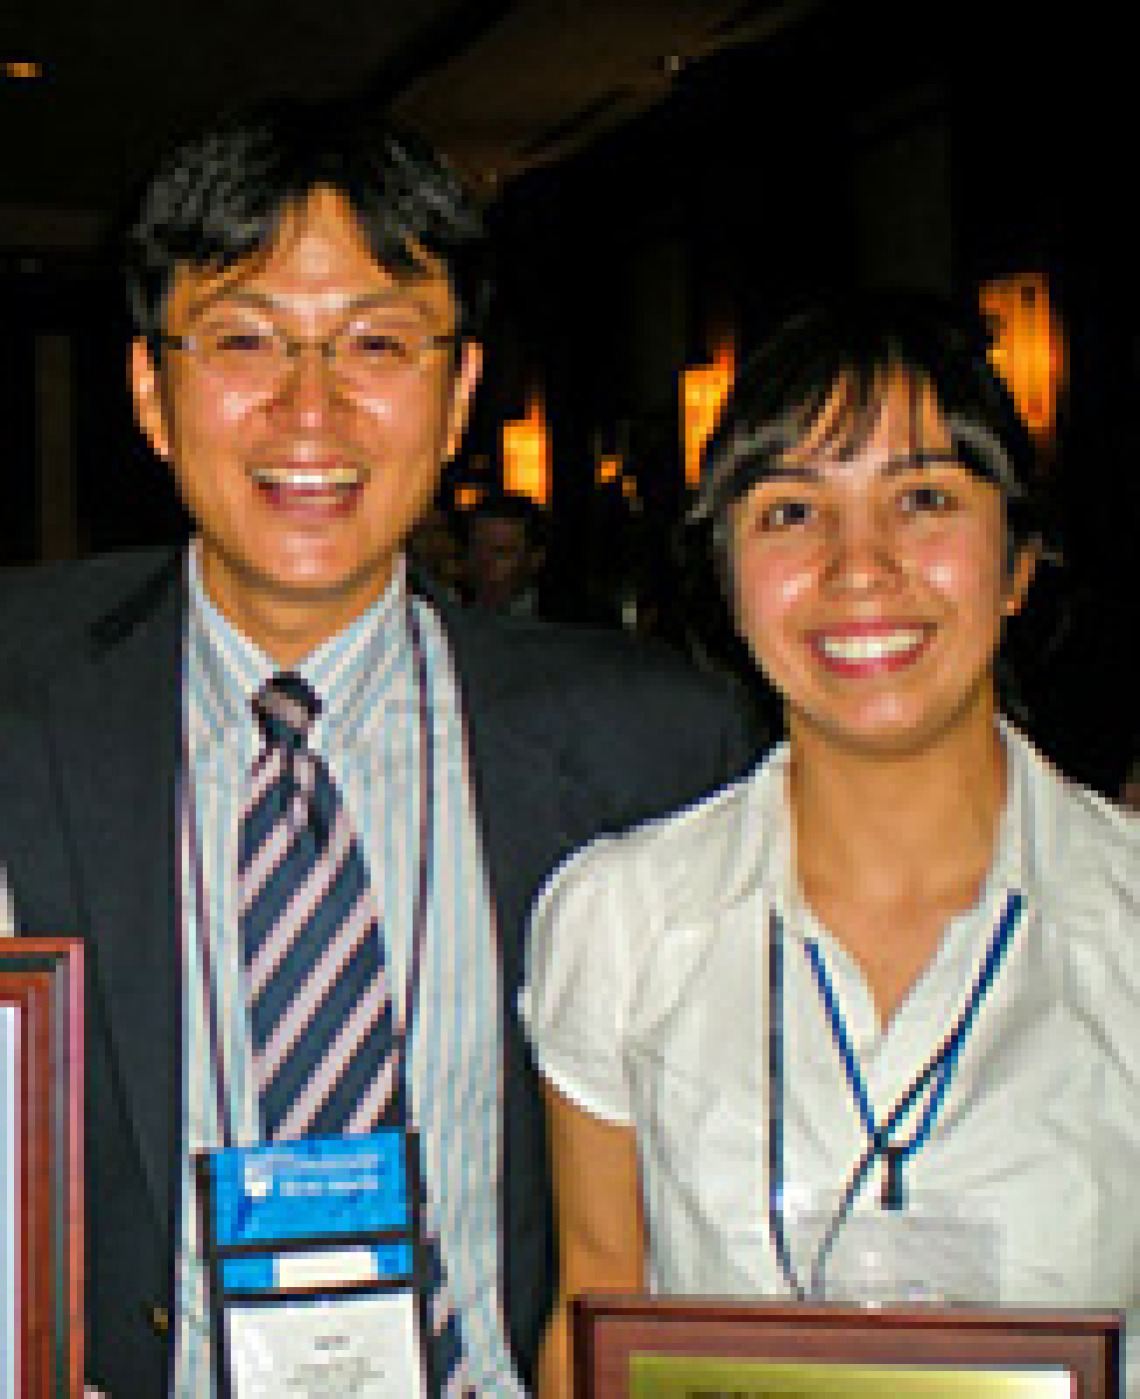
1025,562
463,385
146,390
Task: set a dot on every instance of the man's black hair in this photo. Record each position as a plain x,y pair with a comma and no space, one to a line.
859,342
220,197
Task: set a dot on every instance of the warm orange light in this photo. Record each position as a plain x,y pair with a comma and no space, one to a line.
22,70
704,388
468,496
526,455
1028,348
609,470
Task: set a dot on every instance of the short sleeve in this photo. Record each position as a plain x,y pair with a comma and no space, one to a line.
7,911
574,1003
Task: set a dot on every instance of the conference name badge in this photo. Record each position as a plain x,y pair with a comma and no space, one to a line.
315,1258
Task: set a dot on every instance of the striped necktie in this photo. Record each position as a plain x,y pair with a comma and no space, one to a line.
320,1009
326,1059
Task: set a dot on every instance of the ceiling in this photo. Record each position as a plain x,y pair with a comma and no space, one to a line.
501,87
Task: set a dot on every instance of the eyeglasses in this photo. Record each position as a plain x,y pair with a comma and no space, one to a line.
256,357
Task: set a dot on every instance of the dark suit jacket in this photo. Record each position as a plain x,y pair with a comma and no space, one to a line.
571,734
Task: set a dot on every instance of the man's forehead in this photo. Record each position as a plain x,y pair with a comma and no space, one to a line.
196,290
400,300
319,257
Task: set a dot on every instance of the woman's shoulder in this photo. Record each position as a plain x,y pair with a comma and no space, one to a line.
1084,859
689,863
634,915
1085,848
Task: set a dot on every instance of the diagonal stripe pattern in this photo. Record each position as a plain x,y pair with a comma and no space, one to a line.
319,1007
326,1059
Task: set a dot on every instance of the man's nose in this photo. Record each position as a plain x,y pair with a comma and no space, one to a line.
308,382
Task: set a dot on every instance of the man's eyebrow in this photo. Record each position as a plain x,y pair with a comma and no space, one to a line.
390,299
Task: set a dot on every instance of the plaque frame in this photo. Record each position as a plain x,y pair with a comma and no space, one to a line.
42,979
607,1330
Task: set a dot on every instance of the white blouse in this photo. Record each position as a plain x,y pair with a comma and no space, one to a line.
653,1000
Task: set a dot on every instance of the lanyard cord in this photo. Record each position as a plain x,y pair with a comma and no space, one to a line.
191,856
938,1071
776,1104
426,862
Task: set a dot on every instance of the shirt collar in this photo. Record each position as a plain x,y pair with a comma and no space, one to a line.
353,672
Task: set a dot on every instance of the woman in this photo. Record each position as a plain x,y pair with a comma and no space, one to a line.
898,962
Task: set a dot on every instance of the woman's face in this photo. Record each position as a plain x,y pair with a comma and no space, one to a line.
872,584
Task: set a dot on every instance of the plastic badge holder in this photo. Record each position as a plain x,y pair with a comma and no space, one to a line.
316,1269
931,1251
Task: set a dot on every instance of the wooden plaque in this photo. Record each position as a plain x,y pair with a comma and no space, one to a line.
672,1348
41,1168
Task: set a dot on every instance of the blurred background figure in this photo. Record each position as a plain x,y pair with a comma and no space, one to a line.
506,553
436,550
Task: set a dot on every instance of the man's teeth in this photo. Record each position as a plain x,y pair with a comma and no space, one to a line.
882,646
294,479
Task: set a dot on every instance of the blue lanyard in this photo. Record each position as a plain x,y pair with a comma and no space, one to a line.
935,1076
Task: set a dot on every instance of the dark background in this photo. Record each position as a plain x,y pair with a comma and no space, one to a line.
933,146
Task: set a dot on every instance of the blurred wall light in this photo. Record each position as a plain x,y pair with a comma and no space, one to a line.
704,387
608,469
1028,347
468,495
526,455
22,70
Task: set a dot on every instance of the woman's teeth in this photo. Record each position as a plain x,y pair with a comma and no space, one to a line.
878,647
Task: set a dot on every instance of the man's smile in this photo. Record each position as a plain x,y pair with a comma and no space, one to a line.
308,487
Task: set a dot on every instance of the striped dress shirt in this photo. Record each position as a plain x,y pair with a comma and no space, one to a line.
368,732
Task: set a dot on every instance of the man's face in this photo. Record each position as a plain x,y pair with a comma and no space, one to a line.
501,559
304,493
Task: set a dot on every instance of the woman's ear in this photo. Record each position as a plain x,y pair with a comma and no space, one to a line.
146,391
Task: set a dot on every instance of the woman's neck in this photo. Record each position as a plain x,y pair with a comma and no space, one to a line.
888,825
890,847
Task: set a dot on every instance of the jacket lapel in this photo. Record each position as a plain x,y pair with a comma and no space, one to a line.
115,720
520,789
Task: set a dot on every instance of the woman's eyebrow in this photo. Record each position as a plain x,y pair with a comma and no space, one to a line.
894,466
910,461
792,471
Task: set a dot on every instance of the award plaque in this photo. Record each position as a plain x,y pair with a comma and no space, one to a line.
317,1279
675,1348
41,1168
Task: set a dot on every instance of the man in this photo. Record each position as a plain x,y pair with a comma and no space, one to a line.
435,550
506,552
306,296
